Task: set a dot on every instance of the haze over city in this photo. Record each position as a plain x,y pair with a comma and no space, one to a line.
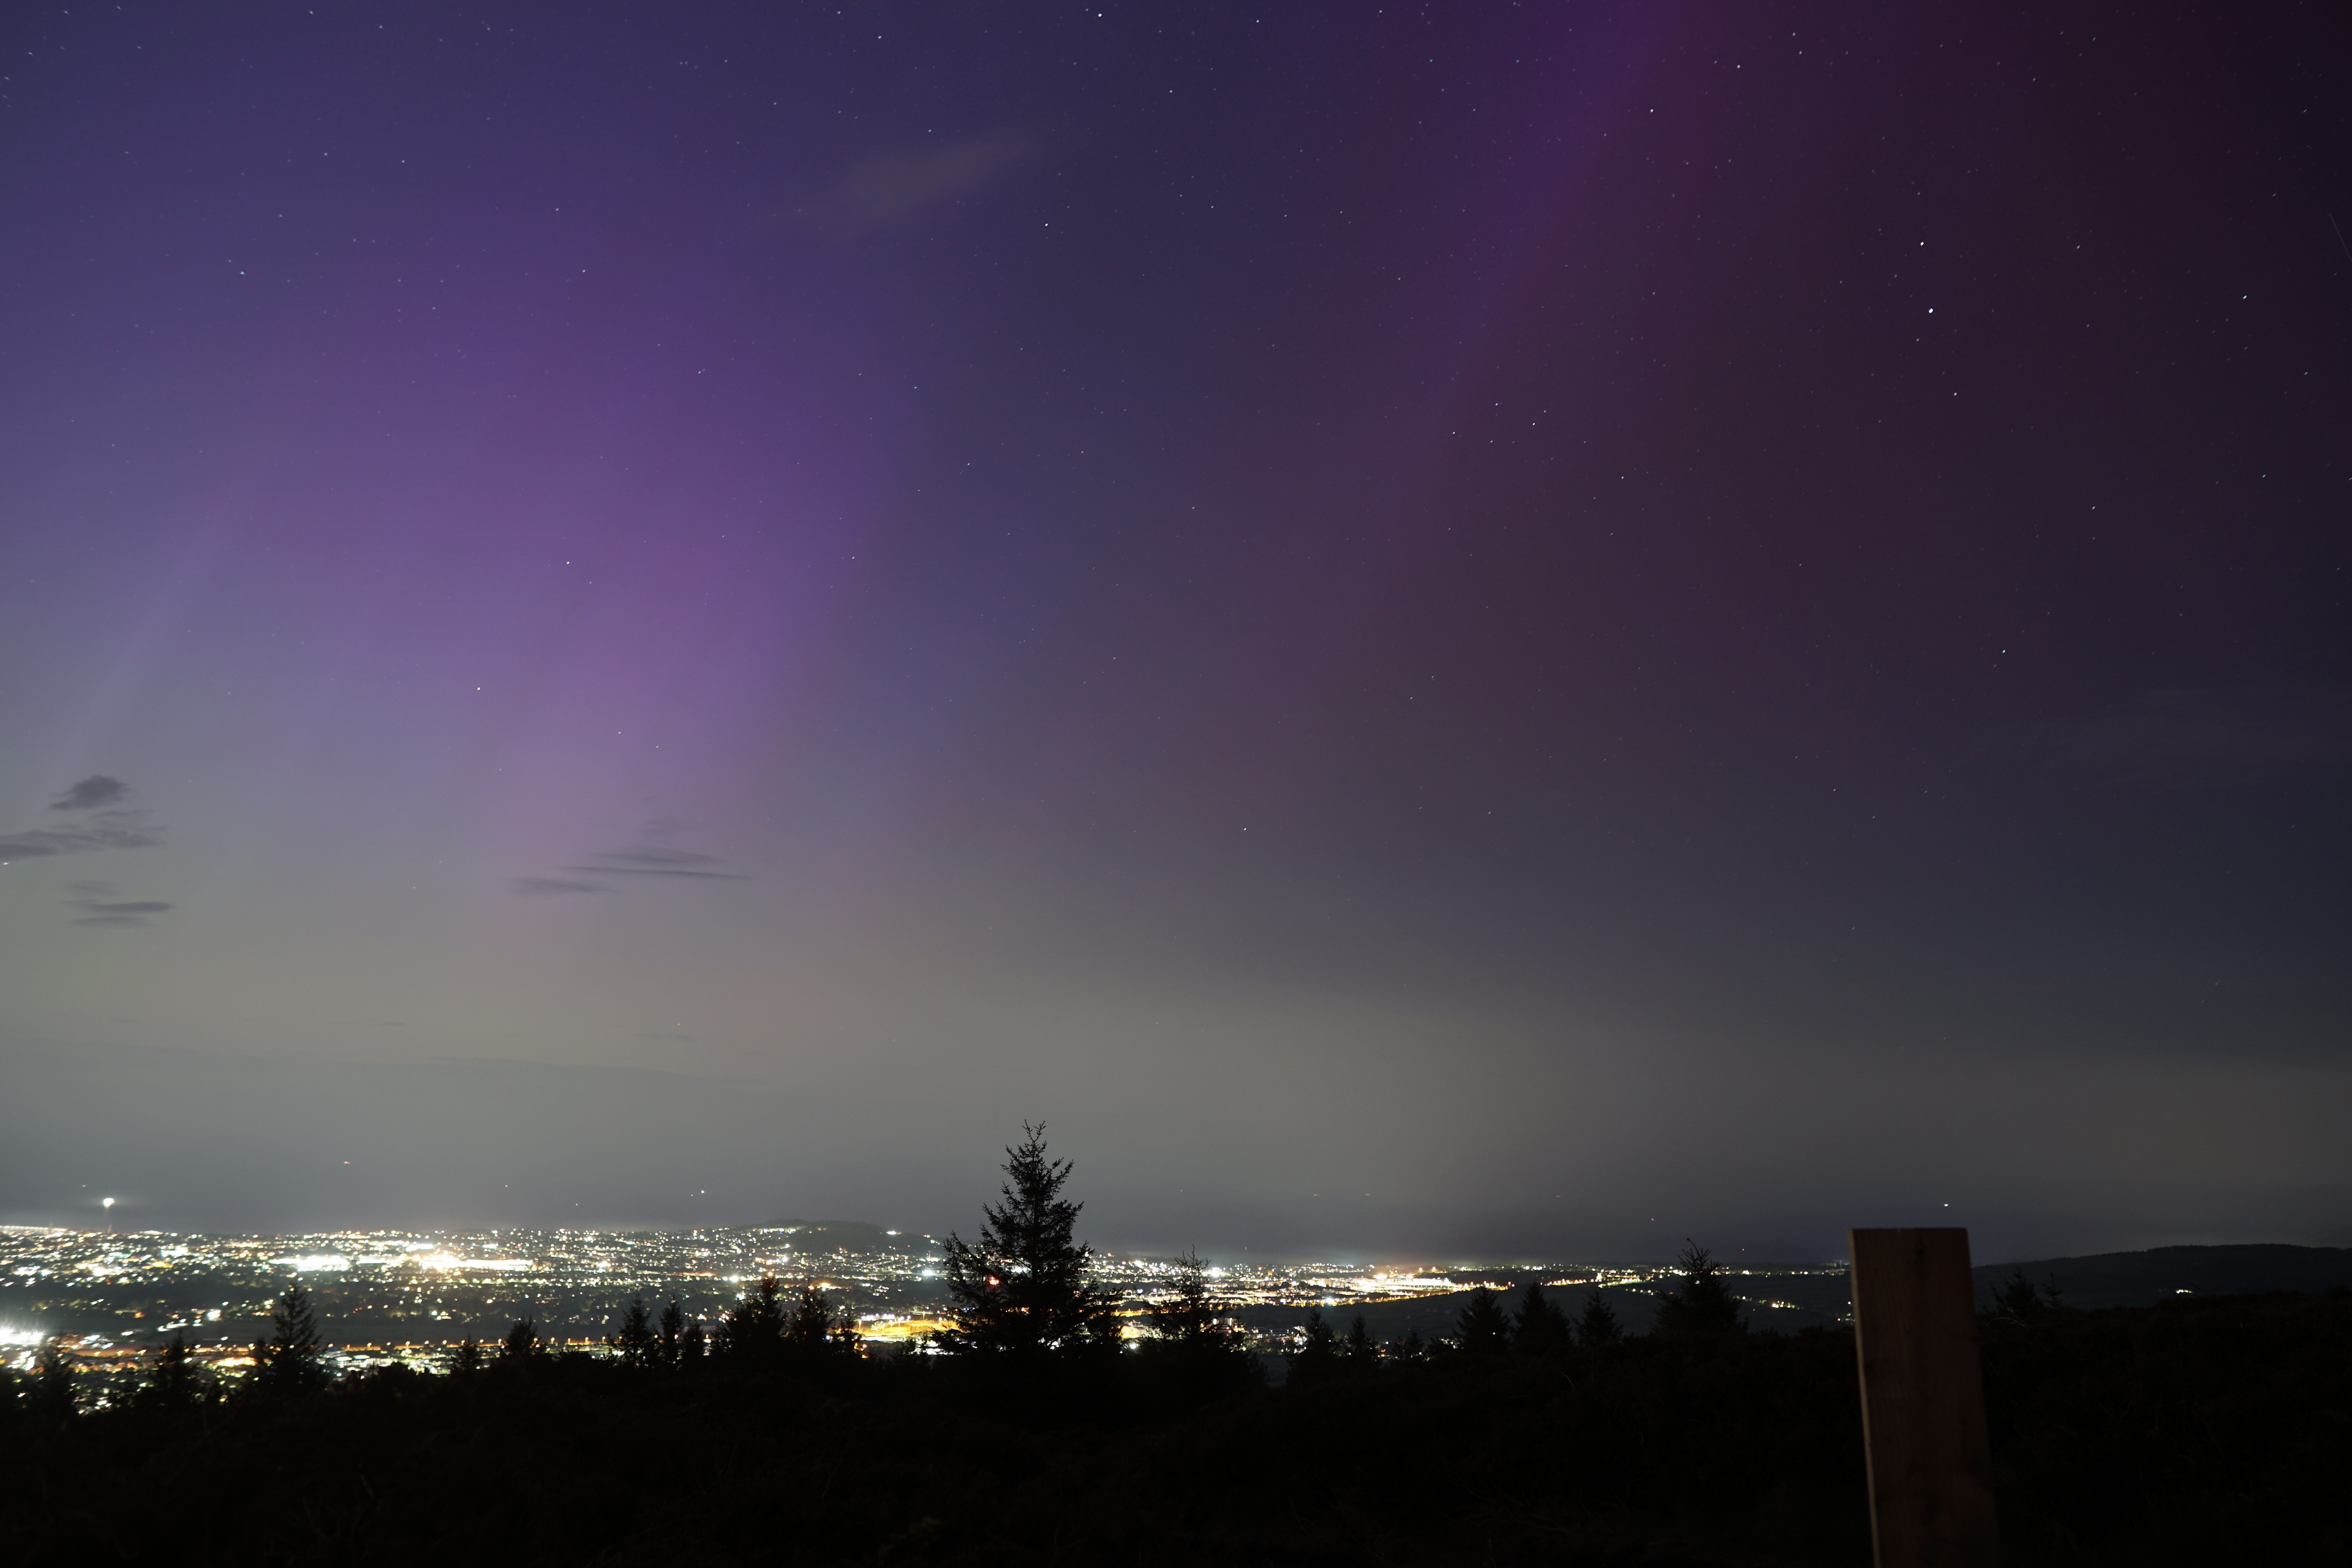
1468,632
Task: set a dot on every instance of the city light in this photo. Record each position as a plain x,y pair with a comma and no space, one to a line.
383,1296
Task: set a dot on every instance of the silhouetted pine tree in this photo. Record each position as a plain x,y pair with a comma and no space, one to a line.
48,1396
816,1323
1410,1347
637,1343
1698,1304
174,1382
845,1336
810,1323
1189,1316
1022,1287
691,1344
469,1359
2021,1299
1194,1347
1597,1325
753,1329
289,1360
1317,1361
1484,1328
1542,1327
1362,1354
673,1333
522,1346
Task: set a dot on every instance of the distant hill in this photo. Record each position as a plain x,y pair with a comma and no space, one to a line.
1782,1302
2144,1279
1787,1302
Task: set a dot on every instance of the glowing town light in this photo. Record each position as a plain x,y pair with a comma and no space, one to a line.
444,1261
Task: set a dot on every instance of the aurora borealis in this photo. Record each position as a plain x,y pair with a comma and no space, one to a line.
1535,627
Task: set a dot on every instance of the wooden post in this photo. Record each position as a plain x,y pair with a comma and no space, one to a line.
1923,1422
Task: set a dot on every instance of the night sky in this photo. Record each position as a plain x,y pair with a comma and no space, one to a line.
1475,631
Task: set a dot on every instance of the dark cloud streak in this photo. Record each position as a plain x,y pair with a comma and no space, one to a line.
652,860
127,834
90,793
555,886
103,911
113,827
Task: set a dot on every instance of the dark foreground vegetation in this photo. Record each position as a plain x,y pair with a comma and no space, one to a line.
2215,1429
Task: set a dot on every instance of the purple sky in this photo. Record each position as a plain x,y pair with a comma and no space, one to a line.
1472,630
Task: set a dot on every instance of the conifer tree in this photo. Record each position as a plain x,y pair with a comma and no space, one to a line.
816,1323
637,1342
48,1397
174,1383
1189,1316
1598,1325
2022,1299
846,1337
1484,1328
1362,1354
522,1346
673,1333
1698,1304
2016,1295
754,1328
290,1361
469,1359
1318,1360
1542,1327
1022,1287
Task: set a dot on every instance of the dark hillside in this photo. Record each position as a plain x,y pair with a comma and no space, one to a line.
2204,1431
2145,1279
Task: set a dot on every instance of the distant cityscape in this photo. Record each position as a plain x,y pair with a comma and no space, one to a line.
390,1296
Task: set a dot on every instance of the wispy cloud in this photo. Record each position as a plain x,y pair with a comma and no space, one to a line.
108,824
99,835
885,188
656,860
600,870
101,907
90,793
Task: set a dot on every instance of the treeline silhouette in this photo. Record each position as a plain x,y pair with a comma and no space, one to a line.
1537,1431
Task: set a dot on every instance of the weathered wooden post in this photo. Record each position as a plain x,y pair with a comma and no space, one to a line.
1922,1421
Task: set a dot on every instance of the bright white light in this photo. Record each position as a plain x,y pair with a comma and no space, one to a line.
446,1260
20,1336
314,1262
106,1202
